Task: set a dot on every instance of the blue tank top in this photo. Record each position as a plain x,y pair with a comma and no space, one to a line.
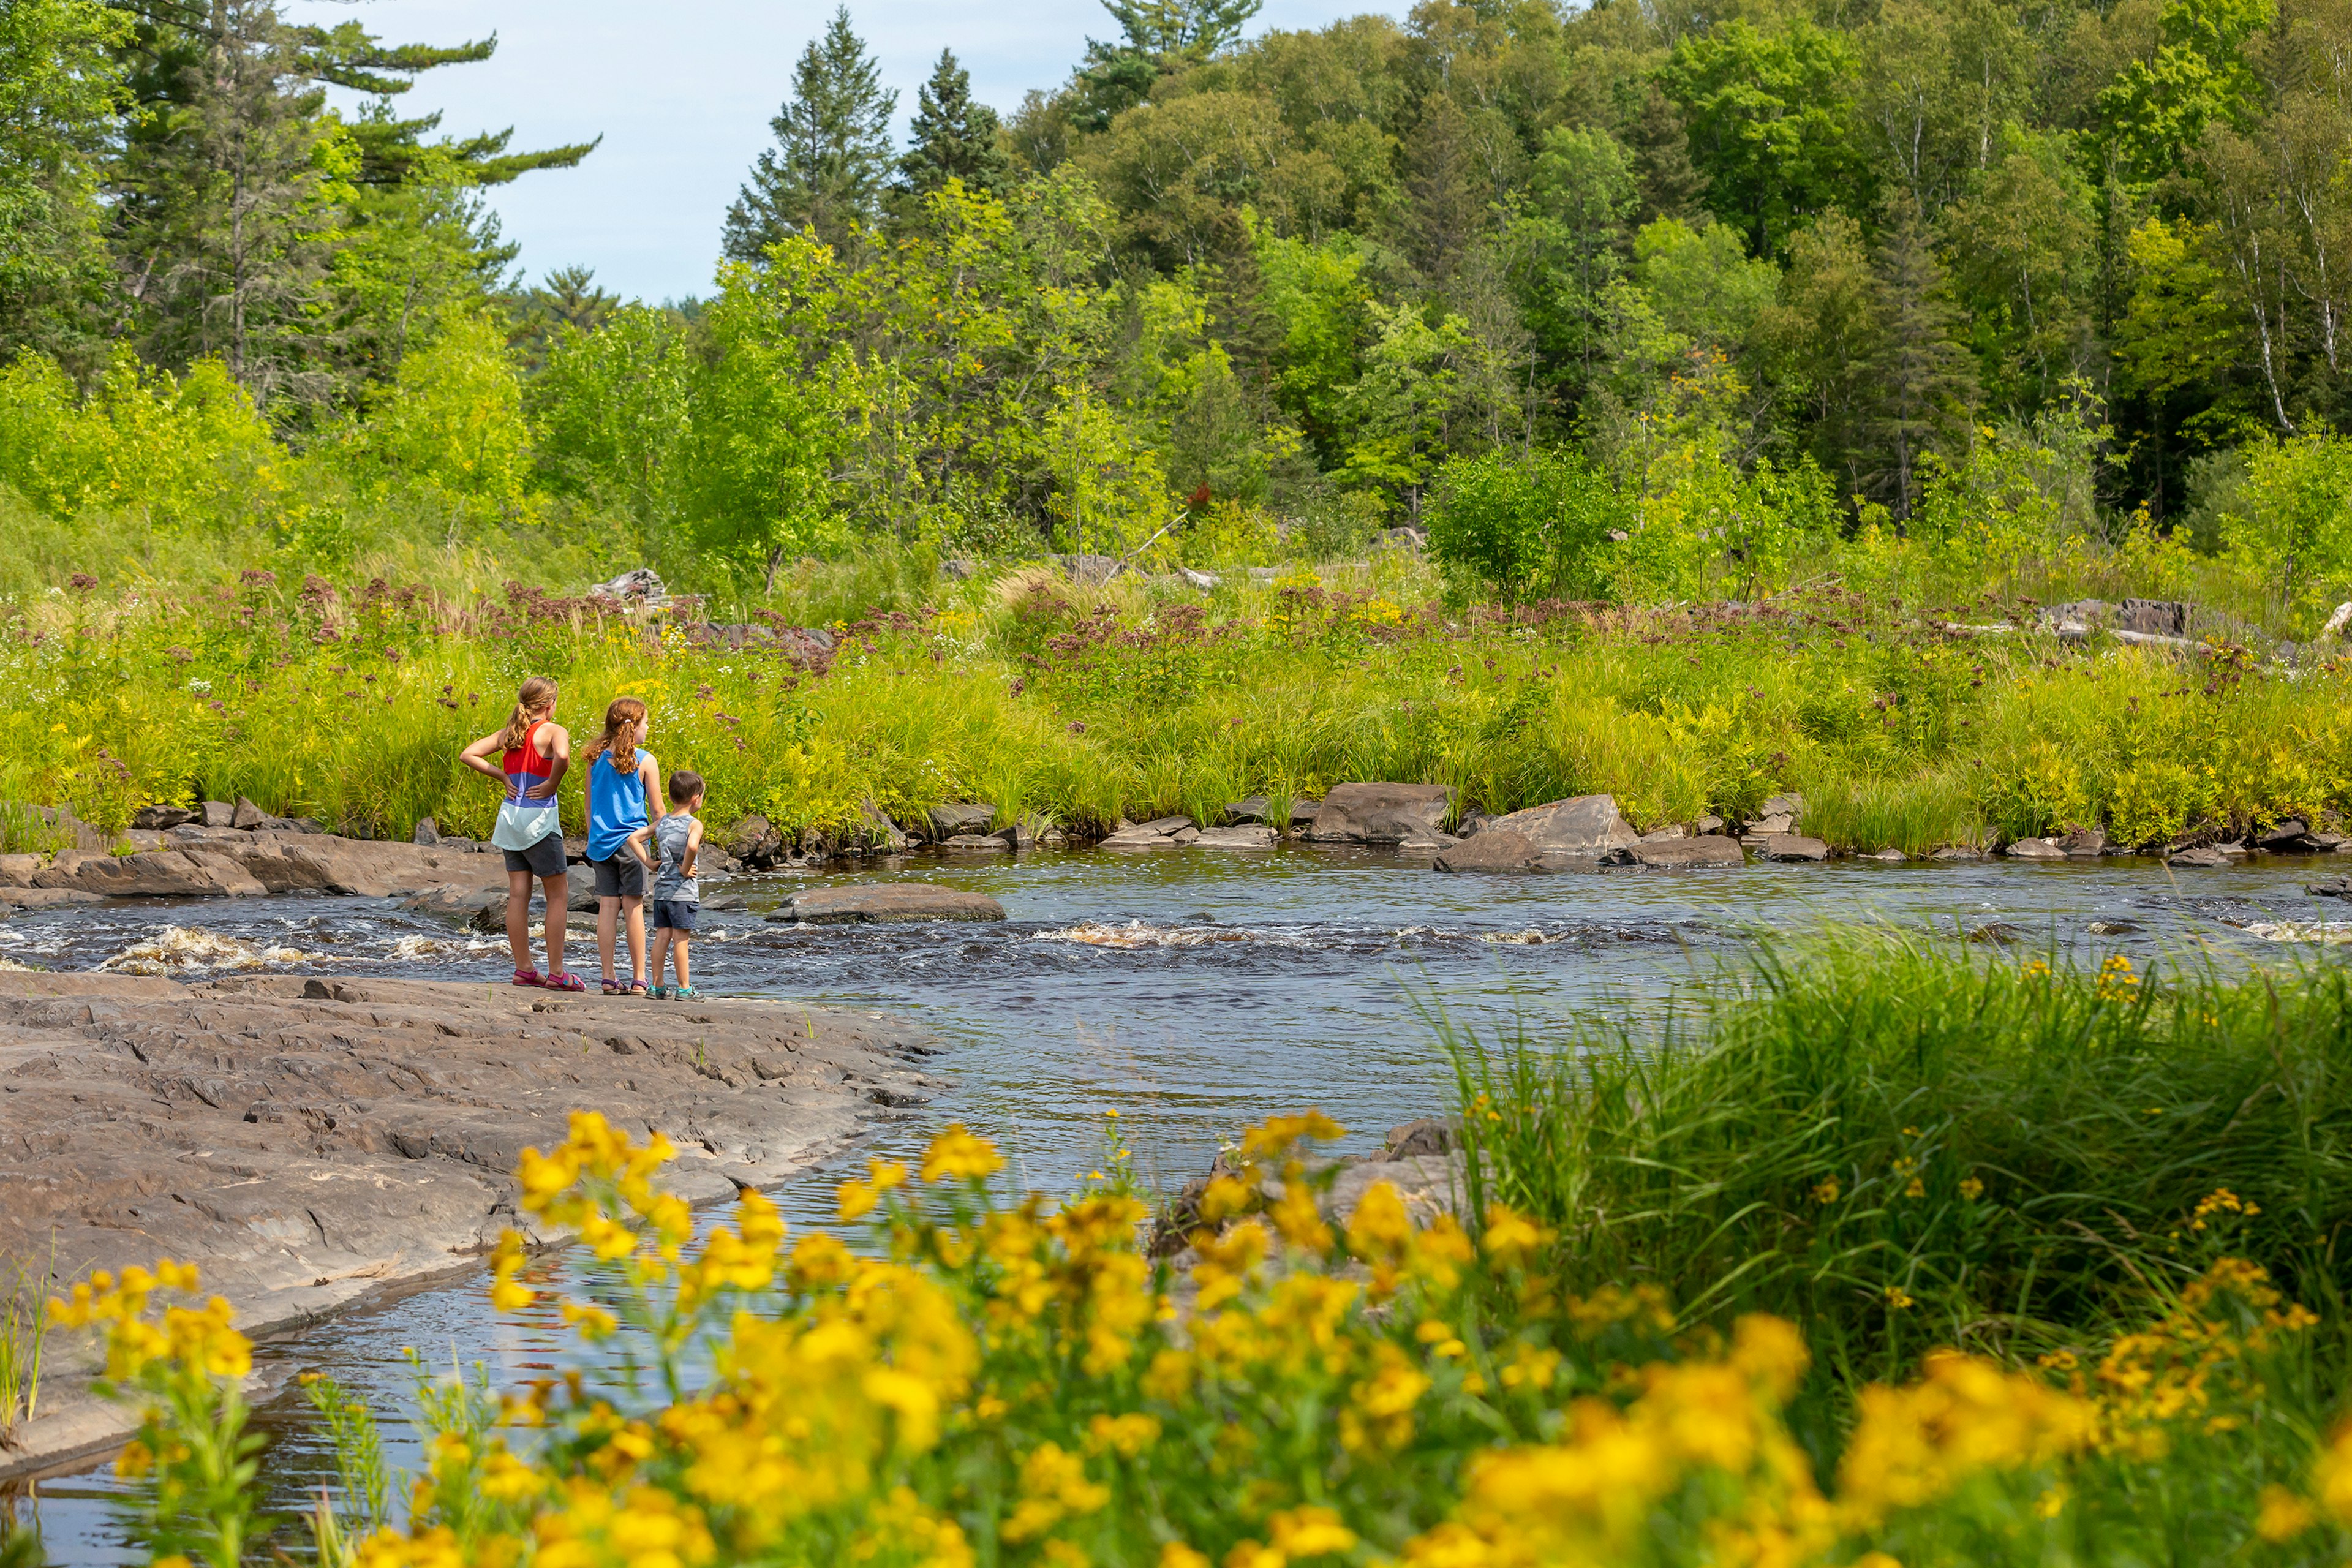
616,804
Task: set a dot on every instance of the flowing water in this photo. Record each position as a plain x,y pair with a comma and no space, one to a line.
1194,990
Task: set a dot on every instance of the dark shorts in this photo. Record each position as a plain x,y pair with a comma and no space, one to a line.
676,914
621,877
544,858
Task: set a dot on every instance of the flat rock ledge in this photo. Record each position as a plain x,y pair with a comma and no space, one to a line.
313,1145
884,903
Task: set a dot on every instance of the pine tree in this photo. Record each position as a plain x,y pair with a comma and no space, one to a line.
1660,143
1445,191
1924,382
1156,38
951,137
825,173
223,215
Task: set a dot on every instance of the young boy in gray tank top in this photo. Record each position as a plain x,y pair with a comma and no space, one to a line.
669,849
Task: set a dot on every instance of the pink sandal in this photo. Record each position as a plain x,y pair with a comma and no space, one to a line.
527,978
567,981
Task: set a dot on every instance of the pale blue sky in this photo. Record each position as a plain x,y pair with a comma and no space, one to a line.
682,95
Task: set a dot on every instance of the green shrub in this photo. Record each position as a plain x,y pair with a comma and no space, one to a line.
1532,525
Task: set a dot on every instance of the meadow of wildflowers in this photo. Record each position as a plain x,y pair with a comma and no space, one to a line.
1081,705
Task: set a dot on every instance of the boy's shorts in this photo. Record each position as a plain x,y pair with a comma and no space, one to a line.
544,858
621,876
676,914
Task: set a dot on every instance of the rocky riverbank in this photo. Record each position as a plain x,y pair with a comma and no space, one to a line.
314,1144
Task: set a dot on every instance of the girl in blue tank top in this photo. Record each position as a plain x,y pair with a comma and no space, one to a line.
623,785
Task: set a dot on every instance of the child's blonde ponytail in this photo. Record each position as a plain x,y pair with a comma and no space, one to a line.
533,699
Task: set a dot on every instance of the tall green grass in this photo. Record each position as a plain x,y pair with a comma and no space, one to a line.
1901,1146
1084,705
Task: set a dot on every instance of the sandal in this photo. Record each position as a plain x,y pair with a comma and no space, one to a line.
661,993
637,988
614,988
527,978
567,981
685,994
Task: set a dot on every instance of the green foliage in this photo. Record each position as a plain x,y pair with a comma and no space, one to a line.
1532,526
1902,1147
2293,516
1773,124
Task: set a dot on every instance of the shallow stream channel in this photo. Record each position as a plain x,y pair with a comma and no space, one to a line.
1193,990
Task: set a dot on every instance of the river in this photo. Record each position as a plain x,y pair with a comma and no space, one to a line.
1193,991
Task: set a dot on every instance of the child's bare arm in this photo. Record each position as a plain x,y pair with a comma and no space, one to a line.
649,780
639,842
477,757
693,844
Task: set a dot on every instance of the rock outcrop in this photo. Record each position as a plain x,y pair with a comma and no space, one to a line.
882,903
1381,814
1574,835
310,1143
1680,851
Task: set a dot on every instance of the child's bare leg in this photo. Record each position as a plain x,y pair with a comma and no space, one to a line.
608,914
661,950
559,899
519,918
634,908
677,950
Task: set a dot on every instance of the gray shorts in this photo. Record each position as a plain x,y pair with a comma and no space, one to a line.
544,858
622,876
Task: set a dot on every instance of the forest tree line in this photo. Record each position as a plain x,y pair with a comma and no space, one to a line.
1917,266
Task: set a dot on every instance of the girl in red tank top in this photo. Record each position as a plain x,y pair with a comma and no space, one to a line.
534,753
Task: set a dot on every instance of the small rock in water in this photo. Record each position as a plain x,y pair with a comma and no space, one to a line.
1683,851
1791,847
976,843
2112,927
2339,888
1999,932
1250,836
2035,849
1890,855
952,818
1957,852
2209,856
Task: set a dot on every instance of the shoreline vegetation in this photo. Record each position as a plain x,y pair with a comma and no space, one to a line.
1882,1252
1903,725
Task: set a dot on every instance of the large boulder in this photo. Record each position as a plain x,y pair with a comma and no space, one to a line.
885,903
18,871
1565,836
157,874
1674,852
754,841
967,817
456,902
1381,812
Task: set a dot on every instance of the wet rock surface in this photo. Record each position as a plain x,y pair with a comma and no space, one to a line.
1565,836
864,903
1381,812
311,1143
